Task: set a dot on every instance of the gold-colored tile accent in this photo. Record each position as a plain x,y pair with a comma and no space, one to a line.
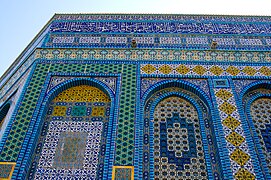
227,108
243,174
265,71
235,139
82,93
224,94
165,69
239,157
231,122
233,70
216,70
98,111
182,69
7,174
249,70
59,111
199,70
148,69
114,177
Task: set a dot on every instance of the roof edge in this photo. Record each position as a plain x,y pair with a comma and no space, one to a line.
155,14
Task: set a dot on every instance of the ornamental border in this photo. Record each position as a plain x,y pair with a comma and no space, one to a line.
155,15
130,54
222,144
157,43
135,56
207,156
224,159
248,124
23,163
260,159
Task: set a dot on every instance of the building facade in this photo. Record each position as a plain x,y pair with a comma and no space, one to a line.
138,96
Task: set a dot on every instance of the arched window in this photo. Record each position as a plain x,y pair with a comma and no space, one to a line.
3,113
257,104
73,136
177,140
178,137
260,111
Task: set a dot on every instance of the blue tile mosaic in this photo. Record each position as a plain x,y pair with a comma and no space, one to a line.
189,100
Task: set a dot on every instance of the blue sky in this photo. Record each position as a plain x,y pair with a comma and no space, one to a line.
21,20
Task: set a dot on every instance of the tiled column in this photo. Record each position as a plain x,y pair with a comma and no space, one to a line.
240,159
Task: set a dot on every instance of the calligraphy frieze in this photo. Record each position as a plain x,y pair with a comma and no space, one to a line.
162,27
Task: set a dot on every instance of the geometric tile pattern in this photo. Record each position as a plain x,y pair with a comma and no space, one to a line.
260,111
227,108
239,156
172,54
171,17
244,174
153,54
6,170
176,131
231,123
216,70
70,150
239,85
235,139
56,80
126,107
79,111
149,69
82,93
147,82
182,41
165,69
123,173
223,94
73,135
201,70
241,162
141,54
59,111
173,145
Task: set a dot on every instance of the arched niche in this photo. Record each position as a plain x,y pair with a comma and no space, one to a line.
178,135
74,131
257,106
3,113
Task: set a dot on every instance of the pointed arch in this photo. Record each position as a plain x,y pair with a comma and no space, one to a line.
179,84
3,112
178,93
75,123
256,100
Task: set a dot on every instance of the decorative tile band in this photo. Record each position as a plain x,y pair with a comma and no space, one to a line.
171,17
6,170
148,82
180,27
137,55
240,158
165,41
109,81
205,70
152,55
125,109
